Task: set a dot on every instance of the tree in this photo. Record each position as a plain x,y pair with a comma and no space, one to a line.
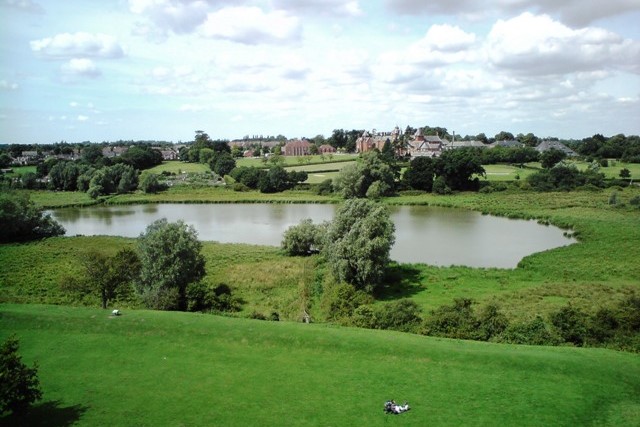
625,173
5,160
222,164
355,180
419,175
107,275
504,136
358,243
92,154
457,167
170,260
22,220
141,157
482,138
530,140
19,384
551,157
151,184
303,239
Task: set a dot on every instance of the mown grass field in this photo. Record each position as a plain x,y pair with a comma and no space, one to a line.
165,369
178,167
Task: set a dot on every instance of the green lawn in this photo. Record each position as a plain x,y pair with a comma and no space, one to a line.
299,160
178,167
506,172
165,369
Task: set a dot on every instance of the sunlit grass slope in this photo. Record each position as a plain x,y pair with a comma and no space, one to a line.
167,369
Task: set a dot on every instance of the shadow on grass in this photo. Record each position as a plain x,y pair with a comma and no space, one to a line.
400,281
50,414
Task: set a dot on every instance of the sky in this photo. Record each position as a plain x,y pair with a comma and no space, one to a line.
107,70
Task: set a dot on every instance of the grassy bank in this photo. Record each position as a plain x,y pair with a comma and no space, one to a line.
163,368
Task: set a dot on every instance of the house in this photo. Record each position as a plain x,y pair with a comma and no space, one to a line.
463,144
548,145
376,140
507,144
170,154
27,158
326,149
421,145
297,148
111,152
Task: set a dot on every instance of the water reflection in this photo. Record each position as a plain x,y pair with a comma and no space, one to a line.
424,234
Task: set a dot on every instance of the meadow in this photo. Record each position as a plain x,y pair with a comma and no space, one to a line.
599,271
166,368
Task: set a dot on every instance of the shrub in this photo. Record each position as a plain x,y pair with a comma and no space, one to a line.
440,186
453,321
23,220
571,324
635,201
19,386
325,188
535,332
340,301
365,316
491,322
602,326
305,238
151,184
401,315
203,298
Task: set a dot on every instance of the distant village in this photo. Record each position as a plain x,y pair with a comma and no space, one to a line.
404,144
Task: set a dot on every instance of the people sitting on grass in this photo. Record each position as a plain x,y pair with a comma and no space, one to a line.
391,407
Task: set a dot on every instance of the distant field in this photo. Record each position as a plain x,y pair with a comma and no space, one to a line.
21,170
299,160
613,170
178,167
506,172
181,369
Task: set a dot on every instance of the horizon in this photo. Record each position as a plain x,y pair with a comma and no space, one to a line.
157,70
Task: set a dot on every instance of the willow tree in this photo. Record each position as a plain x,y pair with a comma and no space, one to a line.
170,260
358,243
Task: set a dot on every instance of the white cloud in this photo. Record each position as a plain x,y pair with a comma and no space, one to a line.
447,38
82,118
5,85
175,15
81,44
323,7
538,45
81,67
252,26
573,12
24,5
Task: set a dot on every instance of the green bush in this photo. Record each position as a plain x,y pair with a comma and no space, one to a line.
340,301
535,332
453,321
491,322
440,186
19,384
325,188
306,238
571,324
401,315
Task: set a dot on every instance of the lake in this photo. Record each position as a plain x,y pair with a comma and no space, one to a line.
424,234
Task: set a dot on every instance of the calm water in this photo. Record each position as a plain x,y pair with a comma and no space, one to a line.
424,234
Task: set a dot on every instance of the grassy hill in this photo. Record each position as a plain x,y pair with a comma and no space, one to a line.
180,369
